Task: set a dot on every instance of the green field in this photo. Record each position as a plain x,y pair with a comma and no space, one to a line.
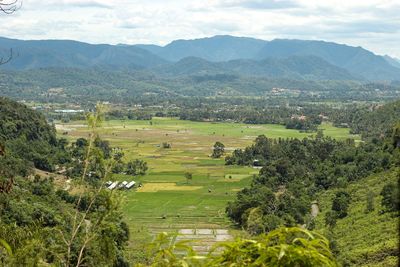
167,202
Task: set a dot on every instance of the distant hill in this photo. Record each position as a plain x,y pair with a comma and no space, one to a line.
354,59
392,61
217,48
295,59
358,61
295,67
64,53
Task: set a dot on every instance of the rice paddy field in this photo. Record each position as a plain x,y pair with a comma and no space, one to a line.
167,201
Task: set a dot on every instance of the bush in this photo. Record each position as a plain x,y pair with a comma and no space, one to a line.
341,203
136,167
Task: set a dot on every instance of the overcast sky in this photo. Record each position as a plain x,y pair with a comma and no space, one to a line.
372,24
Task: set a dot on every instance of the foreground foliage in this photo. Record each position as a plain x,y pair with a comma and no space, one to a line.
42,225
281,247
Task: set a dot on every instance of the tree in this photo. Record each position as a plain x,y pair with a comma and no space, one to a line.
8,7
390,197
370,202
136,167
118,155
104,147
341,203
219,150
330,219
188,176
166,145
396,136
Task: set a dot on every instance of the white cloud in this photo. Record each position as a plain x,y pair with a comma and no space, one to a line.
373,24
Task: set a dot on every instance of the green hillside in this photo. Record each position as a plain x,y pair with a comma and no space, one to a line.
364,238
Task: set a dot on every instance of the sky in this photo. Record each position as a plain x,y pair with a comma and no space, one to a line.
372,24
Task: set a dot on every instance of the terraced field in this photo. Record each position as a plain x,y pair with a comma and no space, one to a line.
167,201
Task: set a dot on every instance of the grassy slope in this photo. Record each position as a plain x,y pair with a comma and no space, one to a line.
365,239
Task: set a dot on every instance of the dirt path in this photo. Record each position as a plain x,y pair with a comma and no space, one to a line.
314,209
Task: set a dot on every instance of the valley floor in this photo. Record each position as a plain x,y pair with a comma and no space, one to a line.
167,202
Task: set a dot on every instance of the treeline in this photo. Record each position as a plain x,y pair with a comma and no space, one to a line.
304,117
292,118
371,121
70,85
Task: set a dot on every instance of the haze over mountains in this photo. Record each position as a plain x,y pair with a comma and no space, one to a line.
295,59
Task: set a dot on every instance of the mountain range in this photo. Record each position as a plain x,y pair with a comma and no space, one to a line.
280,58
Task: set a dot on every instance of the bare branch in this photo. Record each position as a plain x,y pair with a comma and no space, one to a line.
10,6
8,59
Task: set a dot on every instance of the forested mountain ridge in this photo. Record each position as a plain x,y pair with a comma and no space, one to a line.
73,54
216,49
393,61
246,56
358,61
293,67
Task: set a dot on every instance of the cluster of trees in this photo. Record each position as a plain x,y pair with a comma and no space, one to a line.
340,206
295,170
371,121
129,114
304,119
27,137
219,150
101,152
136,167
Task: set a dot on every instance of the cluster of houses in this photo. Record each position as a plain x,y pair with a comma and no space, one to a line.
120,185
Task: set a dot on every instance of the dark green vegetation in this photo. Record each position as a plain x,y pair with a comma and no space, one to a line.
219,150
376,121
27,138
366,236
40,223
355,185
295,170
